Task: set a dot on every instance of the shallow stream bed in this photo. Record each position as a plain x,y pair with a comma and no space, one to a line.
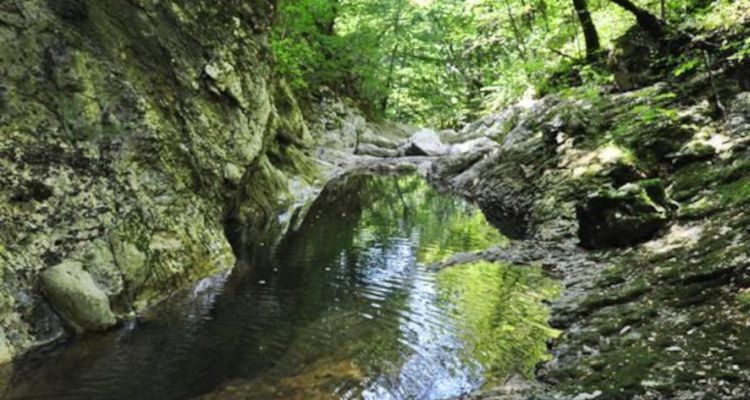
341,308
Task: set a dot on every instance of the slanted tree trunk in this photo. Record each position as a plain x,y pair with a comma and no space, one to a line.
650,23
593,47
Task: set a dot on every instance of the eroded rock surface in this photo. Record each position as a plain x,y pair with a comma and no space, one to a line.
129,131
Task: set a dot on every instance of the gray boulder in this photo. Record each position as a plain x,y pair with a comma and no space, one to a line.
76,297
425,142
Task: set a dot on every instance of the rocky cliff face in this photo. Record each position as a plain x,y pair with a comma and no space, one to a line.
129,130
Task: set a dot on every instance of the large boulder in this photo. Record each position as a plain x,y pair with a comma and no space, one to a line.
76,297
631,59
626,216
425,142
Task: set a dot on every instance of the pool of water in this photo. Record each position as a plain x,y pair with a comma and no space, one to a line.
341,308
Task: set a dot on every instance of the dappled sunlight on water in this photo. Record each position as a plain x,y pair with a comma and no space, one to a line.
342,308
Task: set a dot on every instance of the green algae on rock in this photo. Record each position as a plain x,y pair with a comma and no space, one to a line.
75,295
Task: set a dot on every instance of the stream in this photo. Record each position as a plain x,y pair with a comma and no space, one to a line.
342,307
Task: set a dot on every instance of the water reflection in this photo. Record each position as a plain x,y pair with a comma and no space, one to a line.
341,308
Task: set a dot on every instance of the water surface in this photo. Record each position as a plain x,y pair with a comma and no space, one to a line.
341,308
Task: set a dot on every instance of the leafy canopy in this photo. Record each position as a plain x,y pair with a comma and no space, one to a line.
444,62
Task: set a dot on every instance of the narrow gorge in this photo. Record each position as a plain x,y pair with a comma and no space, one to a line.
262,199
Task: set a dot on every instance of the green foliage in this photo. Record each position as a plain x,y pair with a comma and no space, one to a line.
467,229
720,14
743,51
735,193
687,66
445,62
743,298
453,225
648,115
299,43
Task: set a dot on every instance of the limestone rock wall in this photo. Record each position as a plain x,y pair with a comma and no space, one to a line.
129,129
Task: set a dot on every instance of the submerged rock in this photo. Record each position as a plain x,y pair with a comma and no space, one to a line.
624,216
74,294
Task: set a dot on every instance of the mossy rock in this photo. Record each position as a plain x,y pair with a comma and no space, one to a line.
6,354
76,297
631,59
693,151
622,217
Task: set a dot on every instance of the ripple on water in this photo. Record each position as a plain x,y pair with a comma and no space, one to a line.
341,308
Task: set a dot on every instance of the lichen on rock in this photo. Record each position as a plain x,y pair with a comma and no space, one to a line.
126,131
75,295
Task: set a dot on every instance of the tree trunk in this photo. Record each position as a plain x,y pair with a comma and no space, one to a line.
516,31
545,15
650,23
590,34
393,54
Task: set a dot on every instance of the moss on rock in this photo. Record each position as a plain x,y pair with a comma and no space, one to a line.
127,129
75,295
